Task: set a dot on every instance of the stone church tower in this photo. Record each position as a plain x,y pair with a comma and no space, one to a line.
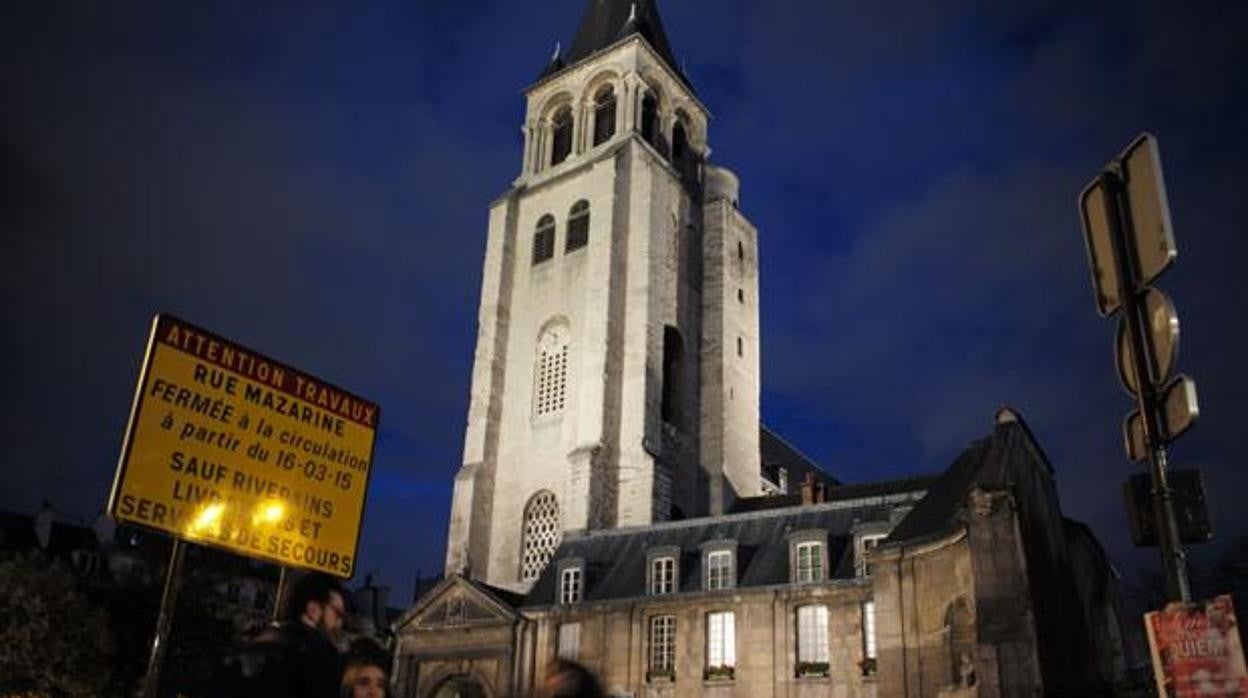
616,376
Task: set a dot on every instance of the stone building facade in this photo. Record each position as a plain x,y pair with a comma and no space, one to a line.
621,504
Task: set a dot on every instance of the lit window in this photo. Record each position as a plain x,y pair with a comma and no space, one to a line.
544,239
570,586
604,115
542,534
812,640
809,562
662,646
578,226
561,136
550,382
721,643
570,641
719,570
663,575
868,630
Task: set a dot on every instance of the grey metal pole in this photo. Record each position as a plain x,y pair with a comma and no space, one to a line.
164,621
1173,559
280,595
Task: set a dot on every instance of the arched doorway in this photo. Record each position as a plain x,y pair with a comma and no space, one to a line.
460,687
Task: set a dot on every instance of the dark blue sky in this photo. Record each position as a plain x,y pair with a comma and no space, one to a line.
312,180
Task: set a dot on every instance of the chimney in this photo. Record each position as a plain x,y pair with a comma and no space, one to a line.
821,492
808,489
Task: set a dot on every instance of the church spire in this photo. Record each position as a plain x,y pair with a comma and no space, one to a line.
608,21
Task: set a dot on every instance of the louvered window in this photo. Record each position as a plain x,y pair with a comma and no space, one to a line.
544,239
578,226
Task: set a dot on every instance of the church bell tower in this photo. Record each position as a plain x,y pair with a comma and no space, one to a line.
616,374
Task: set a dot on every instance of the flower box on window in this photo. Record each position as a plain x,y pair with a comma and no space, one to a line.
720,673
661,675
812,668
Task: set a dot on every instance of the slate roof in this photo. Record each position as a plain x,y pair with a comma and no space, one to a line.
615,561
776,453
836,493
992,462
608,21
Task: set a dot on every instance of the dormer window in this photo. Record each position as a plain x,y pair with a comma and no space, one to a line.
571,583
808,556
662,572
604,115
561,135
720,572
809,562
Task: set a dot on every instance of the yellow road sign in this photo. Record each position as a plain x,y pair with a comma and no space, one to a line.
229,448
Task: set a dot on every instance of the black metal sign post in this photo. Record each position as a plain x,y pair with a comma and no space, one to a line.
164,621
1118,212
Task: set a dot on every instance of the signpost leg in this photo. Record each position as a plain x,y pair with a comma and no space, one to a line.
280,596
1173,559
164,621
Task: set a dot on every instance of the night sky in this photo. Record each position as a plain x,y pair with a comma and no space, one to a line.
312,180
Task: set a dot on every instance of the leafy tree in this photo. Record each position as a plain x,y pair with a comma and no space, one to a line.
52,642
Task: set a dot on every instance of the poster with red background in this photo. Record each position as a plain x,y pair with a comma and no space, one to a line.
1197,651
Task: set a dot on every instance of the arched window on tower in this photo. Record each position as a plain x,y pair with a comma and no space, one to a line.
578,226
680,143
544,239
650,119
604,115
561,135
550,379
542,534
673,357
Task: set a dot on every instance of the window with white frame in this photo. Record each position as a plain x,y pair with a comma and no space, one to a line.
868,630
809,561
721,640
570,583
662,645
663,575
570,641
719,570
866,544
812,637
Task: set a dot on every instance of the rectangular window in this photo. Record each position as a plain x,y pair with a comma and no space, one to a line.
663,575
719,572
662,645
809,562
721,641
570,585
570,641
812,638
868,630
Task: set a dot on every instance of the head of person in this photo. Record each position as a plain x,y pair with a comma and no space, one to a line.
565,679
365,676
319,602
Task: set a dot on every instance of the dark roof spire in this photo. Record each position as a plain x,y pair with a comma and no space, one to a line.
608,21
